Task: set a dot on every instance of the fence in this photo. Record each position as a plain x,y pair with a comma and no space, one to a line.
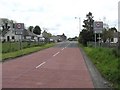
109,45
15,46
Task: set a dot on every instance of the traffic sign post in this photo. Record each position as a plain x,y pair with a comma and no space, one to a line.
98,27
19,28
95,39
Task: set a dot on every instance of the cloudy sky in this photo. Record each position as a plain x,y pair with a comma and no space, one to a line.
58,16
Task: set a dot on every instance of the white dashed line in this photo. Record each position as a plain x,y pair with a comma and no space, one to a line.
40,65
56,54
67,45
63,49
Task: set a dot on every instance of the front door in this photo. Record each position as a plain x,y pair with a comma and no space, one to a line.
8,38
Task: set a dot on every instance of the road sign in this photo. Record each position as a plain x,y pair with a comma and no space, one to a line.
19,32
19,27
98,26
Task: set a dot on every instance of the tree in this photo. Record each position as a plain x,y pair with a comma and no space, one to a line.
37,30
104,35
30,28
5,25
87,34
108,34
88,23
83,37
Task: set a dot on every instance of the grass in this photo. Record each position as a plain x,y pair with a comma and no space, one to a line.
25,51
106,62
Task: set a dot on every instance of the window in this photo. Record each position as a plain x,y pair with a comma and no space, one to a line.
13,37
112,39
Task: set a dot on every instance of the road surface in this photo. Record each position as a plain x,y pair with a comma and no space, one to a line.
62,66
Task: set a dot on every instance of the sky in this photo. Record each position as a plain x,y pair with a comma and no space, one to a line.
58,16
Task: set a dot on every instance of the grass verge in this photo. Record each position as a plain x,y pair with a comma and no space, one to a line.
26,51
106,62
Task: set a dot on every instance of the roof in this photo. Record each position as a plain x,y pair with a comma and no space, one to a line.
4,32
28,33
116,34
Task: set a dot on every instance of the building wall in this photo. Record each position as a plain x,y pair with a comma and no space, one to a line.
11,34
115,40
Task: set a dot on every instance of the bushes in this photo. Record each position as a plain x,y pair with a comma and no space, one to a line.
116,52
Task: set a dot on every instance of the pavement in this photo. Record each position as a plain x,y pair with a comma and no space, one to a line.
62,66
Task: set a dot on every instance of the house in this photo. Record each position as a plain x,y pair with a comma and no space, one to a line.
58,38
62,37
29,36
40,38
7,31
54,39
8,35
115,37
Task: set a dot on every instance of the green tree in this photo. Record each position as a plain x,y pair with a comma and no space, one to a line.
108,34
5,25
30,28
87,34
37,30
104,35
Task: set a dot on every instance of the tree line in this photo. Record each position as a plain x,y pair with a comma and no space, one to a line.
87,33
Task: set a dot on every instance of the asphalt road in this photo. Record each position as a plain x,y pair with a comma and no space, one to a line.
62,66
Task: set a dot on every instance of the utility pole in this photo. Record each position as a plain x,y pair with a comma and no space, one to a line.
79,23
119,25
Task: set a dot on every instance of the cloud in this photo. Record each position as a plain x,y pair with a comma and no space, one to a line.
58,15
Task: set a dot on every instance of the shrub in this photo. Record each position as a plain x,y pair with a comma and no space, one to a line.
116,52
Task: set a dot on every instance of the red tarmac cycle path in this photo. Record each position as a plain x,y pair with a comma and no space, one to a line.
56,67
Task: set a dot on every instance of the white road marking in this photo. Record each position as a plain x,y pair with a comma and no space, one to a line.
40,65
56,54
63,49
67,45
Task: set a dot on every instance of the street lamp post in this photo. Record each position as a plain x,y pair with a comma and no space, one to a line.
79,23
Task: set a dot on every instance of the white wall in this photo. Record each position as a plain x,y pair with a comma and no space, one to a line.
10,34
115,40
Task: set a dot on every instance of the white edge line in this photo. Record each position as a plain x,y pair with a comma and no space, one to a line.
63,48
40,65
56,54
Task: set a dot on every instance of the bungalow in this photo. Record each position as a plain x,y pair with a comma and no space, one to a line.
29,36
114,39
